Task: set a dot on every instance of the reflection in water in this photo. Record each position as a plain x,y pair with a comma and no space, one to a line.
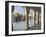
20,25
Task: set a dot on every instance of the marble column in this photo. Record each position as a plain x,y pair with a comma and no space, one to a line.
33,17
25,18
36,16
34,12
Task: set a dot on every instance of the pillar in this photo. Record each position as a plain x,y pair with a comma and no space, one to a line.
25,18
33,16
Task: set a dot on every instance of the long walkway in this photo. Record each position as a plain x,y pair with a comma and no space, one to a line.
20,26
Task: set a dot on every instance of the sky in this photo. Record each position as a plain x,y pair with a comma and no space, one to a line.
20,10
30,11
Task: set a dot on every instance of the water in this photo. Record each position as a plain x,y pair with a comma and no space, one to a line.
18,26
